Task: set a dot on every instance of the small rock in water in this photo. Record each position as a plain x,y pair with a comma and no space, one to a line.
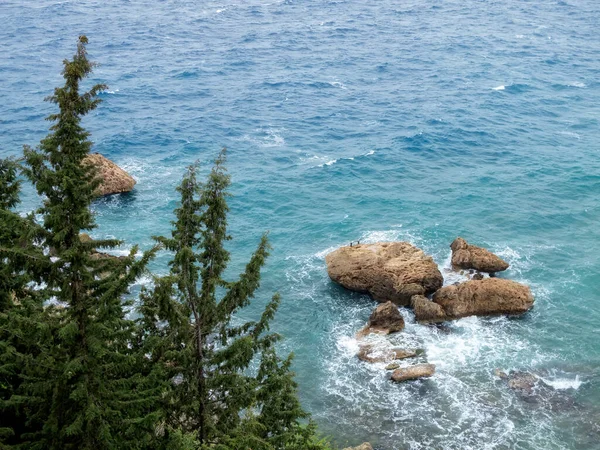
427,311
477,276
385,319
403,354
413,372
368,354
392,366
467,256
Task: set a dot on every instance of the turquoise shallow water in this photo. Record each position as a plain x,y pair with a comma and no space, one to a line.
351,120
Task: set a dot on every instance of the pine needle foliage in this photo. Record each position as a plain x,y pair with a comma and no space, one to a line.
204,354
20,307
80,389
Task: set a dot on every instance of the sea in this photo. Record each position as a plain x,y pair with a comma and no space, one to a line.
347,120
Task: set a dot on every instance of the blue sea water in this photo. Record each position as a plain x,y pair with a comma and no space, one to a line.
345,120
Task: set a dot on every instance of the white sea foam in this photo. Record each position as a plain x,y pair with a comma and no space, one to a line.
577,84
563,383
338,84
499,88
329,162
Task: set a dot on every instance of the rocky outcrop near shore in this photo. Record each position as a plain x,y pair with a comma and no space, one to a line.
114,179
385,319
388,271
475,298
467,256
413,372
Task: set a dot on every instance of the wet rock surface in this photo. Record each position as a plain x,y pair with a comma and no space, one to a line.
388,271
467,256
114,180
413,372
479,297
385,319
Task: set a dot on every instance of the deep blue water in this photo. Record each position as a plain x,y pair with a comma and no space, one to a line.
349,120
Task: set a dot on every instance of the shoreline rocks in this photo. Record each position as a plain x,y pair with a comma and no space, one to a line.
388,271
413,372
467,256
114,179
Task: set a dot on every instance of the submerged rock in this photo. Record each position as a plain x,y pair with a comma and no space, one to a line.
370,354
467,256
385,319
114,179
413,372
388,271
479,298
535,390
523,382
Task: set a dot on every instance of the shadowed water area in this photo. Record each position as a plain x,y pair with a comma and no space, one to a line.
347,120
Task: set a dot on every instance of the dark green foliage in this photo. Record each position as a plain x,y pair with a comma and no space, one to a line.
75,372
205,358
80,383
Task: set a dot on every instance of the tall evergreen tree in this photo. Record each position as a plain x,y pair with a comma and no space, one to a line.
81,390
211,393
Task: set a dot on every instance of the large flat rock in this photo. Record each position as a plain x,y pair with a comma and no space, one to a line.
388,271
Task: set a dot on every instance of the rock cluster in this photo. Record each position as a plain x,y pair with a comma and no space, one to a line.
400,274
388,271
114,180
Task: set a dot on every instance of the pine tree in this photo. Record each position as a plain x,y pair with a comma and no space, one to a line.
211,393
80,390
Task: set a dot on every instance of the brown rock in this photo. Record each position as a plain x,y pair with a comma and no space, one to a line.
399,353
392,366
466,256
385,319
114,179
427,311
477,276
363,446
484,297
413,372
388,271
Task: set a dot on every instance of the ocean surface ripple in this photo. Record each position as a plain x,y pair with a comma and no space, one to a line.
351,120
